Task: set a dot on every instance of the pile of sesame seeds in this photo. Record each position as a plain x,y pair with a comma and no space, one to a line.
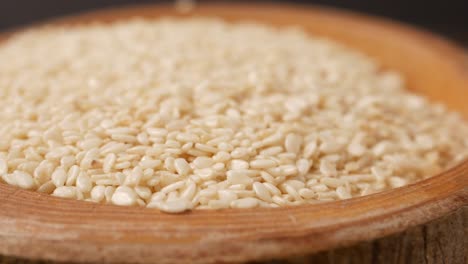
202,114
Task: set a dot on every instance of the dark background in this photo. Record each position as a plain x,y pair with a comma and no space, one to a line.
446,17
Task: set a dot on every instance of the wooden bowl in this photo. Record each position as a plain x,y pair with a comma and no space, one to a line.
39,226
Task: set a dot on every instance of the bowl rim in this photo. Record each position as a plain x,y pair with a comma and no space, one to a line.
36,225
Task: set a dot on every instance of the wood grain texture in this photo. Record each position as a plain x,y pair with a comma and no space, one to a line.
39,226
443,240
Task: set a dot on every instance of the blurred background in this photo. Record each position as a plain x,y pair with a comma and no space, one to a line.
446,17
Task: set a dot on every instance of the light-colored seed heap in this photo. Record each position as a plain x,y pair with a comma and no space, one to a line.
202,114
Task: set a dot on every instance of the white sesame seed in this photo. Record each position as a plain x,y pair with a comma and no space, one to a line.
9,179
261,191
396,182
169,164
293,143
227,195
90,143
57,153
245,203
122,165
263,164
189,192
296,184
108,192
292,192
237,164
239,177
124,138
221,156
65,192
207,192
239,153
134,178
186,137
182,167
218,166
272,188
73,173
83,183
303,166
342,193
205,174
67,161
310,149
279,201
173,186
23,180
175,206
288,169
97,193
142,138
148,163
47,187
327,168
237,187
140,150
306,193
53,134
223,146
320,188
273,139
59,177
202,162
157,132
206,148
218,204
124,195
332,182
